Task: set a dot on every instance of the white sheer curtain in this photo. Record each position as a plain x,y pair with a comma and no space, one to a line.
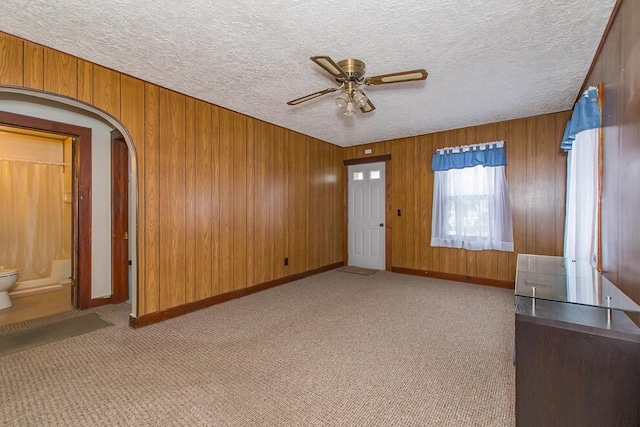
471,209
31,228
581,234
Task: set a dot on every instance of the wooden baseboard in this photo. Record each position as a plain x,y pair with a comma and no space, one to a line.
456,277
159,316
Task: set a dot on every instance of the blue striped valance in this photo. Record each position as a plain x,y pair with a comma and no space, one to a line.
466,156
586,115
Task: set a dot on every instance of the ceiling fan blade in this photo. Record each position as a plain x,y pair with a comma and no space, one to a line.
330,66
368,107
404,76
313,95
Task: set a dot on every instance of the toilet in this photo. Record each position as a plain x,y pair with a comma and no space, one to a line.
8,277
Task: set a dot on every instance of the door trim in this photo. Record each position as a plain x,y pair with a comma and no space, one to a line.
119,218
386,158
81,239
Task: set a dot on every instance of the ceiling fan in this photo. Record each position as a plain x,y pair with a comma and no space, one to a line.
350,74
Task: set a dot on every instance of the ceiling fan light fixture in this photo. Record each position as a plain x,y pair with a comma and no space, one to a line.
342,100
350,109
350,75
360,98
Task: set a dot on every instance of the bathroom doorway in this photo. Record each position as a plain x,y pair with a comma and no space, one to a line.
80,199
36,186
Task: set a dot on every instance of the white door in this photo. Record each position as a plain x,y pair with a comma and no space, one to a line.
366,226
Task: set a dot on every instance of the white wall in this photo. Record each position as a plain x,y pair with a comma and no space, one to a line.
101,177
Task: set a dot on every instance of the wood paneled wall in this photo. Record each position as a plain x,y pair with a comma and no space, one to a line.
617,66
536,175
224,198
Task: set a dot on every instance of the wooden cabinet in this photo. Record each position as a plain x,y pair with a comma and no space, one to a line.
577,364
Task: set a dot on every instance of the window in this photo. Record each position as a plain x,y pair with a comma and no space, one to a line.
358,176
374,175
470,202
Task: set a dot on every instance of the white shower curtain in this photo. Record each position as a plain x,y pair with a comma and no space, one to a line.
31,207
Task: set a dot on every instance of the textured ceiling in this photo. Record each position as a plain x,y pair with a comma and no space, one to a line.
488,60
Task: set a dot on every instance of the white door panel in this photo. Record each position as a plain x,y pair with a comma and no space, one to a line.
366,226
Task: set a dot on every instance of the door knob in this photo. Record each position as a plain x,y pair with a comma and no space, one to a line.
381,224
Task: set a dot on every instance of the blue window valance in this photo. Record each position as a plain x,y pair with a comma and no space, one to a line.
586,115
466,156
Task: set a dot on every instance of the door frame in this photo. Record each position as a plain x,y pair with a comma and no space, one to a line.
81,207
386,158
119,218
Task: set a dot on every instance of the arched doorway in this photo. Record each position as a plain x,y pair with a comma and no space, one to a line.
92,111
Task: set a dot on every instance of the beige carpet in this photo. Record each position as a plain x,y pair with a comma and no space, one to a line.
357,270
333,349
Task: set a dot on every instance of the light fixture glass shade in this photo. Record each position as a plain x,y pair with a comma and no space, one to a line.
350,109
360,99
342,100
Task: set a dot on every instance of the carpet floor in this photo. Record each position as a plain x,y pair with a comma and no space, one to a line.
333,349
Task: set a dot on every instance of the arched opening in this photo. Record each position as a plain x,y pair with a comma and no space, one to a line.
70,104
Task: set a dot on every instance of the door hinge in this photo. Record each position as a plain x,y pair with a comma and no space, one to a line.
126,235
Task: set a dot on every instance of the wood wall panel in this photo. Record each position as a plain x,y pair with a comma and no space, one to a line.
298,259
617,67
278,186
262,210
536,177
251,195
85,81
33,66
544,180
397,200
532,205
560,170
190,193
11,66
203,199
106,90
226,200
518,188
424,186
338,209
239,201
216,287
149,290
172,199
313,203
60,73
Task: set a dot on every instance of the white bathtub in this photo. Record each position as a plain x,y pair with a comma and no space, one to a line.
60,273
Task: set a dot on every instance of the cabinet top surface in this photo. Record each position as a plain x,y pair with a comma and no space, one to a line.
561,279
